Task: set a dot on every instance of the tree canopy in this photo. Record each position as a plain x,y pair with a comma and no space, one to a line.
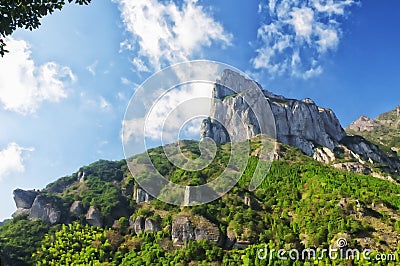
26,14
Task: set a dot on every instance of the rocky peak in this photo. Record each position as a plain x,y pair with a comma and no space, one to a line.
24,198
363,123
299,123
44,209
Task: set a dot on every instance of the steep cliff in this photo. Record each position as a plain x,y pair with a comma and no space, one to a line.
299,123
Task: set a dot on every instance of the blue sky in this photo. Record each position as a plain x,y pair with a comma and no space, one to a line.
64,88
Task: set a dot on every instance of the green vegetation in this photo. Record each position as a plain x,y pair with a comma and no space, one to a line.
75,244
19,238
27,14
300,204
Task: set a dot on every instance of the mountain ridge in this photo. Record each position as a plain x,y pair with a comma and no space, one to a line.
312,196
299,123
384,130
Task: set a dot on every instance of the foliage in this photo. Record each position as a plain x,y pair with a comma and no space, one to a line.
296,206
19,238
75,244
26,14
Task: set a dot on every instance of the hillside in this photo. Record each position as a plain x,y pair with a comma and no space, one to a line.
300,204
383,131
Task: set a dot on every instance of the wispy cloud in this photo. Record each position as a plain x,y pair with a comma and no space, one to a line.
297,34
92,68
11,159
164,32
24,85
104,104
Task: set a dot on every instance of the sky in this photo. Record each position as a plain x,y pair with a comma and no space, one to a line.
64,87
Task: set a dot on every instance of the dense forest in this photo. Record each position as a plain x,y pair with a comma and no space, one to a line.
301,204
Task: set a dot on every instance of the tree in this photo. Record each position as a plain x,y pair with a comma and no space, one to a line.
26,14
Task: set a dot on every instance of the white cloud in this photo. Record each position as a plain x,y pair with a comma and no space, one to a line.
24,85
174,111
297,34
166,33
11,159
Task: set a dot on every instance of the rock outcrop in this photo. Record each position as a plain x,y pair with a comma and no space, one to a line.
24,198
142,196
93,217
138,225
76,209
186,228
371,152
363,123
44,209
151,225
299,123
182,230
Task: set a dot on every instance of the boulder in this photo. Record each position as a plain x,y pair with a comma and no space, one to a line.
44,209
93,217
76,209
182,230
142,196
24,198
151,225
204,229
324,155
186,228
139,225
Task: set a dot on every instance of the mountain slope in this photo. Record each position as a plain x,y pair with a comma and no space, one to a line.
301,203
383,131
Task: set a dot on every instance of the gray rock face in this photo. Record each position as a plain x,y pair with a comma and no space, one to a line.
355,167
206,230
142,196
24,198
44,210
93,217
324,155
76,208
151,226
182,230
363,123
139,225
370,151
298,123
186,228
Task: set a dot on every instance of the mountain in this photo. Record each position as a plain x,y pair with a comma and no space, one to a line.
384,131
320,192
299,123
